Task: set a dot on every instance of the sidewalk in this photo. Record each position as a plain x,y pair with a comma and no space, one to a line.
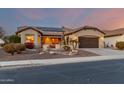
59,61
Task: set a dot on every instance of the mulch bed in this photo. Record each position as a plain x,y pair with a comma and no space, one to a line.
29,55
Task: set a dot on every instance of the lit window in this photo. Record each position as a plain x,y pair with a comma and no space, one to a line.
55,40
47,40
29,38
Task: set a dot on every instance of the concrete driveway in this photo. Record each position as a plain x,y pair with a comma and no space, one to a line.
104,51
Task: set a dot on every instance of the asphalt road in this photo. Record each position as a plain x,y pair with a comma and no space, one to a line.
104,72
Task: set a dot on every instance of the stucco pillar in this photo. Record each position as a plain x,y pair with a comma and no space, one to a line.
35,39
101,42
22,39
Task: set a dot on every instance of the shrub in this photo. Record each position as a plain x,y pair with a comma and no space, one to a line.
19,47
29,45
120,45
14,39
9,48
67,48
12,48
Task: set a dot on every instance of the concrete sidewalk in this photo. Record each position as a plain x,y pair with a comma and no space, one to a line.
59,61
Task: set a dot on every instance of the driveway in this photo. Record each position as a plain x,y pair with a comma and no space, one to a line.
104,51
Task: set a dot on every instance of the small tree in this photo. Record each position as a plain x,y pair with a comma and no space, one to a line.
120,45
14,39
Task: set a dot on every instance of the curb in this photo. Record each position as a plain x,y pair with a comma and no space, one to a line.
44,62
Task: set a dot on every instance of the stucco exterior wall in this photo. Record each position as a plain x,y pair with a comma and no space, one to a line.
89,33
29,31
111,41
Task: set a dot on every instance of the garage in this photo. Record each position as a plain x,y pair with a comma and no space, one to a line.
87,37
88,42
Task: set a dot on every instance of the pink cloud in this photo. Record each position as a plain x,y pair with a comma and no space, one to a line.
20,20
107,19
68,16
72,17
34,14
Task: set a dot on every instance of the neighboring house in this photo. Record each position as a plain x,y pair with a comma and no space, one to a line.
114,36
1,41
87,36
41,36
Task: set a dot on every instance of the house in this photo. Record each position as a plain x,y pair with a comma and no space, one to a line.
113,36
87,36
1,41
41,36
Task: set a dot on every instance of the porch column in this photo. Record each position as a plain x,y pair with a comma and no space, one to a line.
23,39
36,39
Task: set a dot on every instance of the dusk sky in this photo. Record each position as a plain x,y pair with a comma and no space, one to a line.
106,19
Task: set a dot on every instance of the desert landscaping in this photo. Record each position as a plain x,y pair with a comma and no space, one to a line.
37,54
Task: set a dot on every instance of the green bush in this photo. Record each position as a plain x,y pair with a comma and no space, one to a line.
14,39
120,45
12,48
19,47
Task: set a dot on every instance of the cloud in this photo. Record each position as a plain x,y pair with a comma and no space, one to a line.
64,16
74,17
32,13
106,18
69,16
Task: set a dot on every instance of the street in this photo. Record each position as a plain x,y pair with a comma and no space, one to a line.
104,72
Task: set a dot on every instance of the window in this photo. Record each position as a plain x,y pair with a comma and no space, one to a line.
48,40
55,40
29,38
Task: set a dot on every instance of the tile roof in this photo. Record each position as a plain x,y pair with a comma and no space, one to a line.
115,32
44,30
82,28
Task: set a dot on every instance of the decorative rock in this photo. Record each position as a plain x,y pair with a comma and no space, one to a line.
41,53
52,52
70,53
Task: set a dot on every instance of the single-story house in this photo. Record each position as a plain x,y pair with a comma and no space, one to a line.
41,36
87,36
113,36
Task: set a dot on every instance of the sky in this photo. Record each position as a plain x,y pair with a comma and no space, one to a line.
103,18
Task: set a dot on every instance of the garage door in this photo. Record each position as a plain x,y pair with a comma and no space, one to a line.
88,42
